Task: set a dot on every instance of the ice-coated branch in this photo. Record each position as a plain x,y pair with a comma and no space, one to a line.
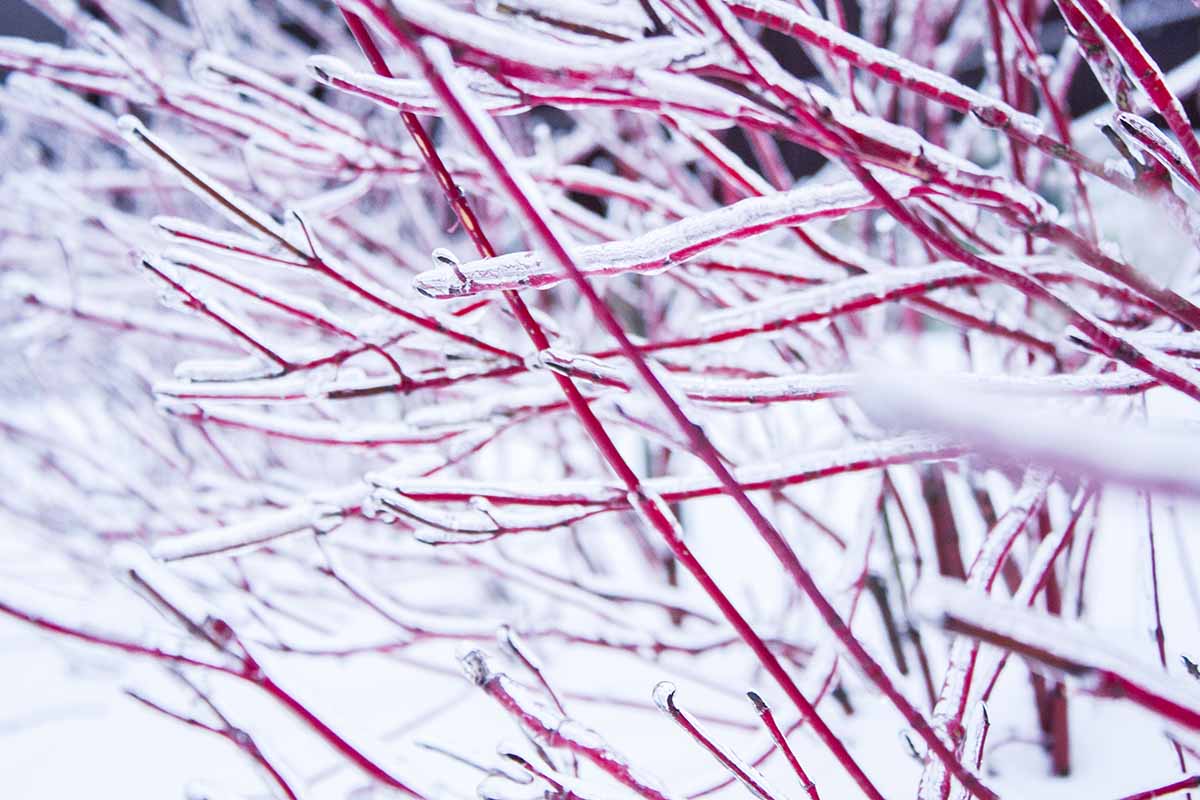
1070,648
780,738
658,250
1166,790
1145,72
748,776
553,730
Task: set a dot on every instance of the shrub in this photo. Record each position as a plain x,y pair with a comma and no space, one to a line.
625,354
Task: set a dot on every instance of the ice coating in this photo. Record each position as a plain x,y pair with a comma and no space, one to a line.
755,783
550,728
243,536
482,520
542,52
1064,646
194,234
565,495
828,300
328,432
164,589
662,248
224,71
952,699
219,196
625,16
887,64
